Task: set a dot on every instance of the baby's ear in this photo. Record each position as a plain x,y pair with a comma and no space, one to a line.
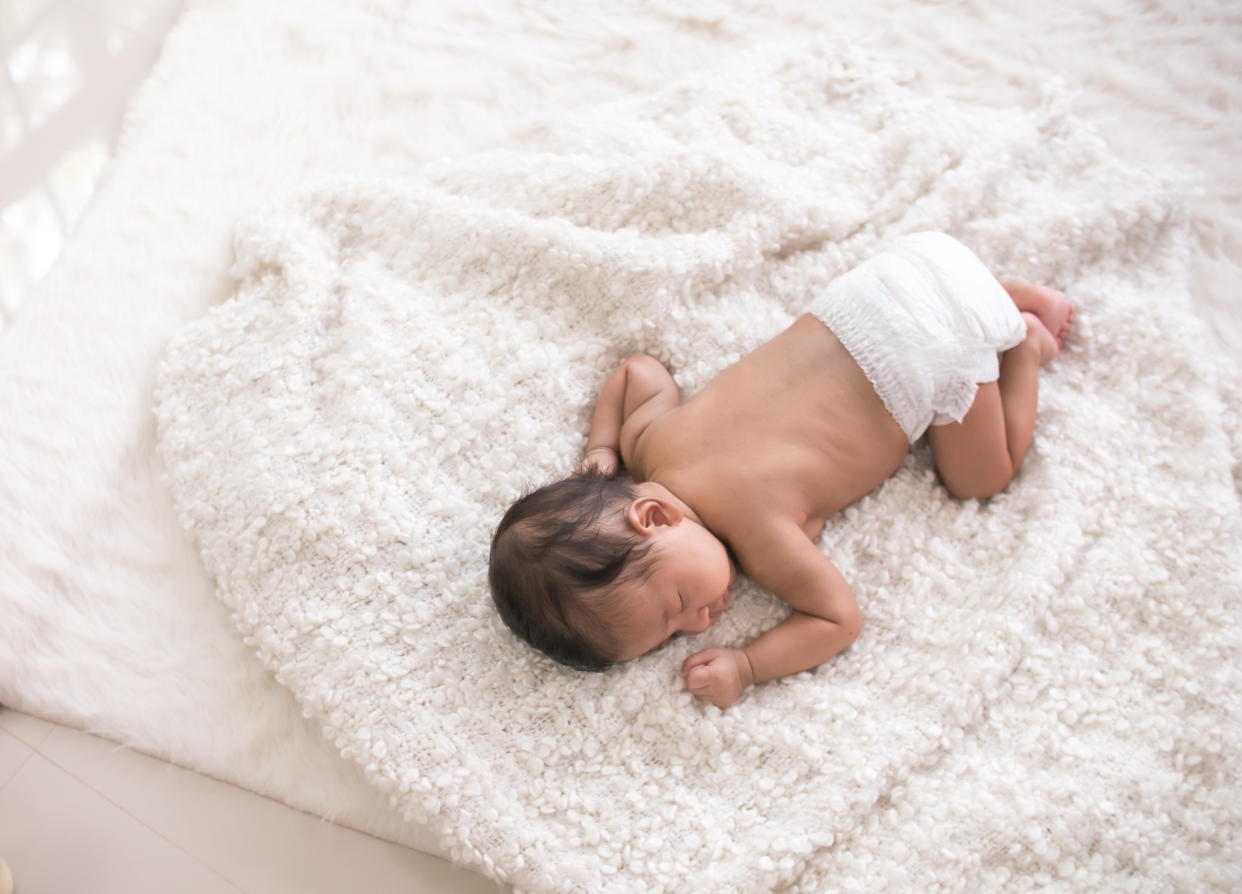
647,514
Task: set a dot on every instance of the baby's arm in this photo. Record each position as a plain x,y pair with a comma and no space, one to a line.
826,619
639,391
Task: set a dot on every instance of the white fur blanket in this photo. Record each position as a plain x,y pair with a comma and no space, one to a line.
1046,688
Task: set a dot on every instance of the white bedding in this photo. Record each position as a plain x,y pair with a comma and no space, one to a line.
110,621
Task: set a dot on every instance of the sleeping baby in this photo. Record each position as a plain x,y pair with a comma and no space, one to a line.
603,566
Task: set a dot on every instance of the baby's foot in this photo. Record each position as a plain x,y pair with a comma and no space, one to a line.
1052,307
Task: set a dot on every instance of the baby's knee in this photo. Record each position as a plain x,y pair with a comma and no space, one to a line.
1033,326
980,485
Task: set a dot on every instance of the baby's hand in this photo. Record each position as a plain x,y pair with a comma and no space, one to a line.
599,461
718,675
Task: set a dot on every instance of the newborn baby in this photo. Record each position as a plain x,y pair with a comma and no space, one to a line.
603,567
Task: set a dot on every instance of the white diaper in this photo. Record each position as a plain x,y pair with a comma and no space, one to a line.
925,320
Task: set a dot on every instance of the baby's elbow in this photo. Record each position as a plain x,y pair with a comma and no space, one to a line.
645,367
640,360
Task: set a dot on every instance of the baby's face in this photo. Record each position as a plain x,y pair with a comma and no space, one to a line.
686,591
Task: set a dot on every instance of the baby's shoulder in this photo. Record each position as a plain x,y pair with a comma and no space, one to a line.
745,517
648,442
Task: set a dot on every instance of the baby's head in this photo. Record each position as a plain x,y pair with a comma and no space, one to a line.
593,570
556,559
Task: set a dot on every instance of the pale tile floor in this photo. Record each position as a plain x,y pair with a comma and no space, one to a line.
78,814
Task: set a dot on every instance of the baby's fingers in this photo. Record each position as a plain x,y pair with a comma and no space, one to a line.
706,683
697,659
701,681
599,461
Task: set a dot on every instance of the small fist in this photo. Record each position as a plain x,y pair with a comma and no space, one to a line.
599,461
718,675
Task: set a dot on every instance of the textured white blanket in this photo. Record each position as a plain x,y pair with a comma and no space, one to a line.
1046,689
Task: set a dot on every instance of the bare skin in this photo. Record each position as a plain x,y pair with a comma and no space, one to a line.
755,463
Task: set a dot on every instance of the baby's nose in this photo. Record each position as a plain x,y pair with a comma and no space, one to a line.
701,620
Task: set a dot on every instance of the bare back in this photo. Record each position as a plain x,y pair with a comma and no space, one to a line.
794,430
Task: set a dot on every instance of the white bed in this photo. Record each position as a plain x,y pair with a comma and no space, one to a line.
110,621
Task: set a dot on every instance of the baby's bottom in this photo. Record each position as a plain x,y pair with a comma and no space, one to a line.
979,456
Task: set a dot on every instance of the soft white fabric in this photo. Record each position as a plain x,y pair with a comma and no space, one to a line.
1045,688
925,320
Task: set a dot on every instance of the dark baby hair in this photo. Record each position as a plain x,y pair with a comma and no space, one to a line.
554,554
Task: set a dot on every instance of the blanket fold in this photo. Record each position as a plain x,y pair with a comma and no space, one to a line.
1036,695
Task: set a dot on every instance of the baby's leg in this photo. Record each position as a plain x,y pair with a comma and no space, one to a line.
1052,307
979,456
